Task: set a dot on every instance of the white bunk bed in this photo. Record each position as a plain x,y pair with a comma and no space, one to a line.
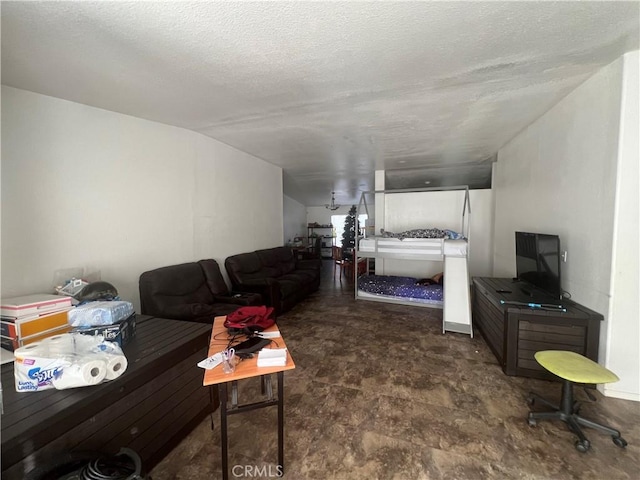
456,301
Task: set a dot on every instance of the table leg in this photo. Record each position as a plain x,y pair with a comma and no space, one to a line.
268,389
223,430
234,394
281,421
212,408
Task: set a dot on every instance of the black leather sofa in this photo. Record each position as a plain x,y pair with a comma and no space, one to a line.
193,291
276,274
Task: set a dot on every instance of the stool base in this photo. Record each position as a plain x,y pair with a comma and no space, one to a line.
568,413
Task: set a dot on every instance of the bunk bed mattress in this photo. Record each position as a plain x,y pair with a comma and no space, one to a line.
414,246
402,288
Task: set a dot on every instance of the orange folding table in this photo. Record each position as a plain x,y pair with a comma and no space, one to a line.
247,368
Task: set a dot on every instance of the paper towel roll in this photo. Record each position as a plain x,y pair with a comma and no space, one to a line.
71,344
59,344
116,365
62,338
87,342
33,349
84,372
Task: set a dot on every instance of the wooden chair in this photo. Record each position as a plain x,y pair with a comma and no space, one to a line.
352,273
336,254
313,252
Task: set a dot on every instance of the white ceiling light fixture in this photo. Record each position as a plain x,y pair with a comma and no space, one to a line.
332,205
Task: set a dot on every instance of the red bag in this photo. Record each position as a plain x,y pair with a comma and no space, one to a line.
253,319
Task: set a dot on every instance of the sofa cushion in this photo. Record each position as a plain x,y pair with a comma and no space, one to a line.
213,277
245,266
197,312
298,278
289,287
286,259
310,264
274,261
175,285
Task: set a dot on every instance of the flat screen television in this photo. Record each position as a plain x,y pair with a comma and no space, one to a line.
538,262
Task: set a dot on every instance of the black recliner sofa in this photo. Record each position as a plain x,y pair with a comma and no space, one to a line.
193,291
276,274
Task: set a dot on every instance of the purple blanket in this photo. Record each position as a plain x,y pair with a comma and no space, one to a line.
399,287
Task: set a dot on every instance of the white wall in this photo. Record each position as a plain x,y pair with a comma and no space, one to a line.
440,209
322,215
559,176
623,354
295,219
88,188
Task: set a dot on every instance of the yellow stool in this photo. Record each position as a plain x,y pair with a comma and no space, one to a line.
572,368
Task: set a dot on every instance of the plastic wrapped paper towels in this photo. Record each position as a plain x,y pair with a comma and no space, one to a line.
94,314
67,361
81,373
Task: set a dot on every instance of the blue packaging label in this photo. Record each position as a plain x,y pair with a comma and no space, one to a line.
44,377
34,374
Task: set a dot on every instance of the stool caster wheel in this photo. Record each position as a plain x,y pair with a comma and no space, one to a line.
619,441
582,447
532,422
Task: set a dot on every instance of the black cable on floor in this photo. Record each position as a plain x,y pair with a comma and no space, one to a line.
126,465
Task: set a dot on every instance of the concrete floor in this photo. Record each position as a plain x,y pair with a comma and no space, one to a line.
380,393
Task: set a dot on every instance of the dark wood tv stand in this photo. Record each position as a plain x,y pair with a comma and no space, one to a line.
514,333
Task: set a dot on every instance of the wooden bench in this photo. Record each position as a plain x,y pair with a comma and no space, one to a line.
150,408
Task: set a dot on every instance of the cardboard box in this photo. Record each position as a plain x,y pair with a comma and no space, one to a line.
37,304
28,329
121,332
11,343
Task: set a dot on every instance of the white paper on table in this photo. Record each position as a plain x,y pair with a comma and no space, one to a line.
275,334
211,362
272,357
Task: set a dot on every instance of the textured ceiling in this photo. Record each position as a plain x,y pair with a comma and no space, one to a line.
329,91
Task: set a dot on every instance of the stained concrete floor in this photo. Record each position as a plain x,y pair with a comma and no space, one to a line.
380,393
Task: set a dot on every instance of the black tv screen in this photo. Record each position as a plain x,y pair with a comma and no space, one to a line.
538,261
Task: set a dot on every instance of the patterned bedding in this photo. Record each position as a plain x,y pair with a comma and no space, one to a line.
423,233
405,287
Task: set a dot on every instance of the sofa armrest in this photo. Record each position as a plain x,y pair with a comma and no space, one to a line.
240,298
269,288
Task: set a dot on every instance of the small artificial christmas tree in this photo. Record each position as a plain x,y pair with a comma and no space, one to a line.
349,234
